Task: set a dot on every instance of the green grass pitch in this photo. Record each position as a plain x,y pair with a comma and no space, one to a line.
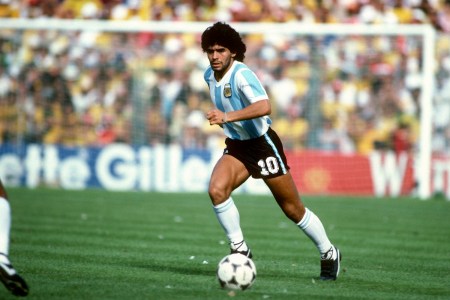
95,244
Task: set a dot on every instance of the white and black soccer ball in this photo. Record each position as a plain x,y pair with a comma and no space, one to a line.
236,272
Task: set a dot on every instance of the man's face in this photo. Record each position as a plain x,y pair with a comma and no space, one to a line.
220,58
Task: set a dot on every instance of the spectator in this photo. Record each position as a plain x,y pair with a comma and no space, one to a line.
292,127
443,17
283,91
332,138
402,141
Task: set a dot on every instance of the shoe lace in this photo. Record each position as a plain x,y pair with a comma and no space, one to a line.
327,255
236,246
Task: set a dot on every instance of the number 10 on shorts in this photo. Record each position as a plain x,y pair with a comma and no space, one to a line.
269,166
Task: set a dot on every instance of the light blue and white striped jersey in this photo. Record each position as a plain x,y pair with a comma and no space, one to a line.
238,89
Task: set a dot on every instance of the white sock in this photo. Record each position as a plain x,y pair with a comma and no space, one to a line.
5,225
313,228
228,216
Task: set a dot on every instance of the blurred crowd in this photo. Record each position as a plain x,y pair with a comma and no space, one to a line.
335,93
436,12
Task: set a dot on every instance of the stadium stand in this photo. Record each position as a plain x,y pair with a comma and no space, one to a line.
72,90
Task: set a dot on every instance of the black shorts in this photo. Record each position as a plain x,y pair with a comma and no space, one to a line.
263,156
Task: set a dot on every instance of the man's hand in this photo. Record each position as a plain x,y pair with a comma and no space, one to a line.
258,109
216,117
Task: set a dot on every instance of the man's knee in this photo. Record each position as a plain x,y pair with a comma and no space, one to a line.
217,193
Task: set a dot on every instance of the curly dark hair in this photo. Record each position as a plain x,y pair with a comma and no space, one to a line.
224,35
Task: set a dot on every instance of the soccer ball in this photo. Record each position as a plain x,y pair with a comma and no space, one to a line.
236,272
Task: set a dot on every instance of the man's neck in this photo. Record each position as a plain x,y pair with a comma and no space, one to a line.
219,75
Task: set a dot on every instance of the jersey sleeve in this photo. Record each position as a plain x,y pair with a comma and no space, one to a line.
250,86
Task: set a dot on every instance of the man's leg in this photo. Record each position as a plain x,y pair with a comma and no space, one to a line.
228,174
8,275
286,194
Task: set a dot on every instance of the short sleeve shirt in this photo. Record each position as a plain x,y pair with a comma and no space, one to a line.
236,90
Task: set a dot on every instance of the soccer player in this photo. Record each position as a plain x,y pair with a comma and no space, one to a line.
242,109
8,275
